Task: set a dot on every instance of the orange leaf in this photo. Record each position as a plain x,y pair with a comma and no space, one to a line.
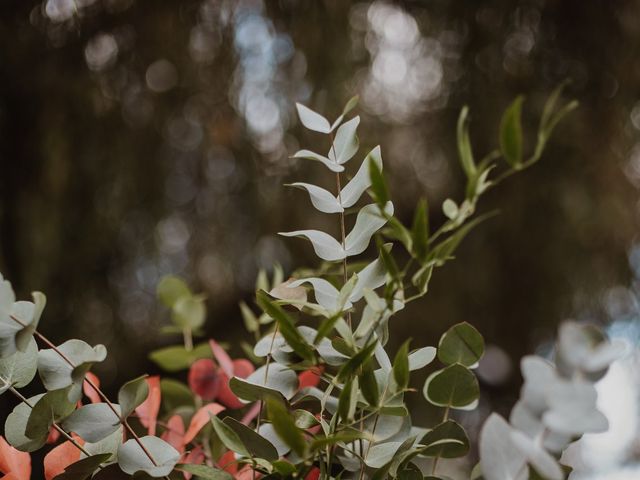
174,433
148,410
14,463
88,389
310,378
195,456
227,462
60,458
200,419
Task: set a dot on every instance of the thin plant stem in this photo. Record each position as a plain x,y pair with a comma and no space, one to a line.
266,373
445,417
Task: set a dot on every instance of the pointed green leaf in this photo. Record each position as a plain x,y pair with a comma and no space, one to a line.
204,472
401,366
420,231
132,394
256,444
511,133
285,426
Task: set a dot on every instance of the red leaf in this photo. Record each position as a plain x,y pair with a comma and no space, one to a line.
227,462
222,357
310,378
174,433
204,379
200,419
14,463
195,456
60,458
53,437
88,389
313,474
242,368
148,410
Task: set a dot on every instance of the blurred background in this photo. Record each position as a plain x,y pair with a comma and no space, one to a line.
141,138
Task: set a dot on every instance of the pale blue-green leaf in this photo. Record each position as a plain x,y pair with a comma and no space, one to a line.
279,377
370,277
23,337
309,155
56,373
268,432
16,425
345,143
132,458
109,444
19,369
312,120
321,199
573,409
383,359
324,245
325,293
538,457
132,394
93,422
353,190
368,221
380,454
421,358
268,344
501,459
450,209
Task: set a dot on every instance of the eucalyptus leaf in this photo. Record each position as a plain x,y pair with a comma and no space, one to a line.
132,394
177,357
312,120
255,444
204,472
84,468
324,245
345,143
323,200
309,155
19,369
132,458
16,424
353,190
455,386
511,133
189,312
446,440
462,344
171,289
285,426
369,220
93,422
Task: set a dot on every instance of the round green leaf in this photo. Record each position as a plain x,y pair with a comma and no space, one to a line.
132,458
132,394
189,312
19,369
447,440
176,357
16,425
93,422
171,289
462,344
455,386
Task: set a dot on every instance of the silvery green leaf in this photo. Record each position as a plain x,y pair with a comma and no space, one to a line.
329,354
501,459
345,143
309,155
52,407
19,369
56,373
538,375
93,422
370,277
312,120
383,359
381,453
387,426
279,377
268,432
527,422
16,335
538,457
132,394
16,425
368,221
109,444
324,245
321,199
353,190
23,337
133,459
325,293
573,409
421,358
269,343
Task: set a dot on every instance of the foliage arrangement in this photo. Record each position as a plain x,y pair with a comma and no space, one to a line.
319,395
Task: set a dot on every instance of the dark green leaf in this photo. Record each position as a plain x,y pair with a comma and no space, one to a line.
344,400
464,144
455,386
356,361
229,437
511,133
379,190
420,231
369,385
256,444
83,469
401,366
446,440
252,392
288,329
204,472
285,426
52,407
462,343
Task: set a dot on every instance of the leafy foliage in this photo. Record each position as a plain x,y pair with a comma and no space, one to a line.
319,395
